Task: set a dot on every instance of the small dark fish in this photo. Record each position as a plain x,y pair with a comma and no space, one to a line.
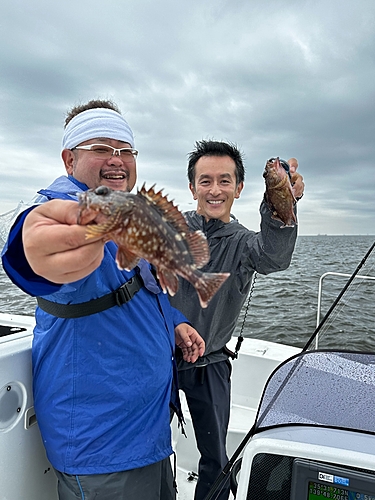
279,194
147,225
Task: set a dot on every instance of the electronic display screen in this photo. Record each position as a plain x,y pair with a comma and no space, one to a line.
321,491
319,481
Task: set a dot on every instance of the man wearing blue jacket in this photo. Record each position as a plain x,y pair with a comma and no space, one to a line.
216,176
103,348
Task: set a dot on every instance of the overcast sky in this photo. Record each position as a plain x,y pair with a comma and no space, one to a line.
278,78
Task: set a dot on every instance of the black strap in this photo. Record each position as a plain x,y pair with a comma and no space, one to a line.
117,298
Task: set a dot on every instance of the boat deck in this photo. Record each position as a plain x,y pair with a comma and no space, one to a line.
251,370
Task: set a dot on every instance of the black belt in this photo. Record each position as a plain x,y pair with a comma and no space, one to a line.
117,298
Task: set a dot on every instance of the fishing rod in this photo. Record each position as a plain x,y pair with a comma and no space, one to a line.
225,473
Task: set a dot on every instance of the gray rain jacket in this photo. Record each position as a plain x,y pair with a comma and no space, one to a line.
237,250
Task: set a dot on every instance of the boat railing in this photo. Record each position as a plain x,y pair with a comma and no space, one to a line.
320,292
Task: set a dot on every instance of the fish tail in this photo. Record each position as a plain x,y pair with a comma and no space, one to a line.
207,284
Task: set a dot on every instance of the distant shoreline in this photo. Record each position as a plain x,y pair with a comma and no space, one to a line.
346,235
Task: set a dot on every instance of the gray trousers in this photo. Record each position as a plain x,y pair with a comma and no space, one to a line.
207,391
153,482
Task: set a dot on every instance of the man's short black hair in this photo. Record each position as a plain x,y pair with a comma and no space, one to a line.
215,148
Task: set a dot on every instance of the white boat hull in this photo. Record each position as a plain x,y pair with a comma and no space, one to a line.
26,473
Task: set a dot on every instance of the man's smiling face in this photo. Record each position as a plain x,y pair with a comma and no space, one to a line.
94,171
215,187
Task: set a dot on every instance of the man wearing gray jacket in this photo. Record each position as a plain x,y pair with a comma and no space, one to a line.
216,178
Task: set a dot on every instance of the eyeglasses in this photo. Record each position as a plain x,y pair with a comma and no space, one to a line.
105,151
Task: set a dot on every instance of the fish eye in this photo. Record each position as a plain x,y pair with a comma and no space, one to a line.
102,190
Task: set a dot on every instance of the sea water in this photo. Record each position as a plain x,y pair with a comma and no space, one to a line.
283,306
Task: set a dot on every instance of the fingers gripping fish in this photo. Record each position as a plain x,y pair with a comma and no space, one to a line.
279,195
147,225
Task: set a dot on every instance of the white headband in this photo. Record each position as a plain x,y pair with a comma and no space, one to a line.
95,123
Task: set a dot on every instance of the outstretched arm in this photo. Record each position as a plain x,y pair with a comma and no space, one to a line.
189,341
56,247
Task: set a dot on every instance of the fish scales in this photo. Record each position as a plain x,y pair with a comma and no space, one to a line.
147,225
279,195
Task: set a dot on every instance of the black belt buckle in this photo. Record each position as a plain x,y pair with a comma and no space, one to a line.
122,294
127,291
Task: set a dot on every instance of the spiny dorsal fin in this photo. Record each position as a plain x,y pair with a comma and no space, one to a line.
196,241
170,212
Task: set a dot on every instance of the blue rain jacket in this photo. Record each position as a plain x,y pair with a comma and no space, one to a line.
102,383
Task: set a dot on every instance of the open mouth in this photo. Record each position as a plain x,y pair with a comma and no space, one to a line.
115,175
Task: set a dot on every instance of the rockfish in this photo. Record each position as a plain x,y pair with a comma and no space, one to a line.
279,195
147,225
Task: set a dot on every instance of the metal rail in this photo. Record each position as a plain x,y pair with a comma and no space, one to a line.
320,291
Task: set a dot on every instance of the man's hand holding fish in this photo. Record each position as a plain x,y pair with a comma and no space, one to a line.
284,187
55,245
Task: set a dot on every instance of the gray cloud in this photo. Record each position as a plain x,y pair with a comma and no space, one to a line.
283,78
